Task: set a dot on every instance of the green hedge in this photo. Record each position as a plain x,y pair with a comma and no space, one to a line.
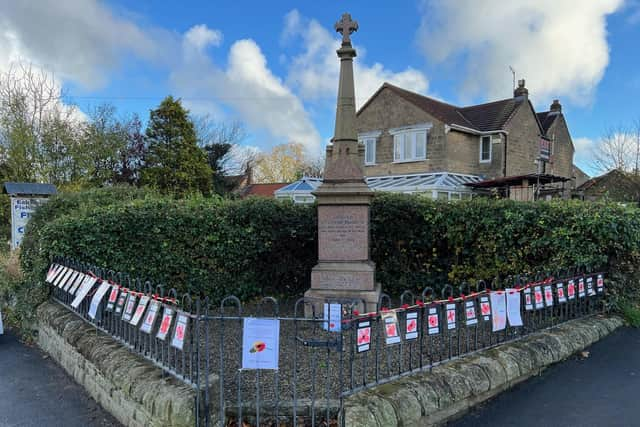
256,246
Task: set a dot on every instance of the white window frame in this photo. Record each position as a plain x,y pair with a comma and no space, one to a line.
399,135
363,138
490,149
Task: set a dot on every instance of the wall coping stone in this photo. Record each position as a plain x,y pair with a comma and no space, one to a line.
432,398
130,387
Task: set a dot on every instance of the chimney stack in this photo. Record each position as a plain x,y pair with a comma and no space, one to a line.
556,107
521,91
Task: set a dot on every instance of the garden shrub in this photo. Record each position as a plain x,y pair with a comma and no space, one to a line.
262,246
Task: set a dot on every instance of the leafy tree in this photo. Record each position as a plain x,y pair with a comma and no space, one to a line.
174,163
286,163
219,140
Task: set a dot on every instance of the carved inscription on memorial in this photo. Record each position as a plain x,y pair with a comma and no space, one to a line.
362,281
343,233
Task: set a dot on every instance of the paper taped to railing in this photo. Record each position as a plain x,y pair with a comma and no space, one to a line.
142,306
179,333
332,317
97,299
513,307
150,318
498,310
85,287
167,316
260,343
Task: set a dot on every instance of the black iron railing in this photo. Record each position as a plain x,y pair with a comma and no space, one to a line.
328,350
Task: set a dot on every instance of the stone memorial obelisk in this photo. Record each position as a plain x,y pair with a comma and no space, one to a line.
344,268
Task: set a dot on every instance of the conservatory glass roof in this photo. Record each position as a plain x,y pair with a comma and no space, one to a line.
422,182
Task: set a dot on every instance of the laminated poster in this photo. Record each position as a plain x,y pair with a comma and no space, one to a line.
433,321
180,331
97,298
71,281
562,298
163,330
590,291
581,292
411,326
120,304
113,298
59,277
260,343
571,290
600,283
498,310
364,336
332,317
391,332
73,289
537,297
150,318
548,296
513,307
129,307
485,308
65,278
451,316
470,313
142,306
51,273
85,287
528,303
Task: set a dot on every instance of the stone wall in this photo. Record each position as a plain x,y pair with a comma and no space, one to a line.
126,385
450,389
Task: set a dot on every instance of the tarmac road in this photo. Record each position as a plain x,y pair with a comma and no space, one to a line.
35,391
602,389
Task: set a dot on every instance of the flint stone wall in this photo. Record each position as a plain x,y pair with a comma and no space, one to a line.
449,390
126,385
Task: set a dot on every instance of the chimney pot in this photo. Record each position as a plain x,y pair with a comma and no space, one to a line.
521,90
555,107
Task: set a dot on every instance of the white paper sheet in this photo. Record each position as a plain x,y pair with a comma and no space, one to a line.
498,310
85,287
260,343
333,317
142,306
364,336
180,331
391,332
470,313
167,316
150,318
513,307
97,298
451,316
548,296
433,321
411,326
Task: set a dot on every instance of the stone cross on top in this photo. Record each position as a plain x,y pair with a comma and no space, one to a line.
346,26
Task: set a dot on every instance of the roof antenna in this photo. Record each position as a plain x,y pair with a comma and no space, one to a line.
514,76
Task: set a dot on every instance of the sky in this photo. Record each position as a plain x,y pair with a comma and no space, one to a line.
272,64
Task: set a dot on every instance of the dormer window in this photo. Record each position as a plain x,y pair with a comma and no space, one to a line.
369,140
485,149
410,143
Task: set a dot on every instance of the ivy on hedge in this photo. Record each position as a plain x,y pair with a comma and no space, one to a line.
262,246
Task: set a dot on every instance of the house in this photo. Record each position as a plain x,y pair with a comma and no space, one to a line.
506,145
615,185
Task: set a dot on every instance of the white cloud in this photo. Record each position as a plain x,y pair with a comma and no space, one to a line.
559,46
201,37
80,40
583,156
314,73
248,86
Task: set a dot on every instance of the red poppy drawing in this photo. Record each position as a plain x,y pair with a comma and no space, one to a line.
391,330
364,336
560,293
258,347
433,320
571,289
527,299
471,313
113,295
538,297
548,296
412,325
485,308
451,316
180,332
164,326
